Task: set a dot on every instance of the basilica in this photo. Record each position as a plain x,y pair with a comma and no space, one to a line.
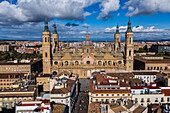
85,58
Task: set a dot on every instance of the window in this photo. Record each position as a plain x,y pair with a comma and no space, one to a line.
46,54
61,101
129,52
56,63
88,62
157,68
168,99
61,94
45,39
96,100
96,94
76,62
148,68
160,68
119,62
87,50
148,99
66,62
112,94
154,68
151,68
99,62
5,99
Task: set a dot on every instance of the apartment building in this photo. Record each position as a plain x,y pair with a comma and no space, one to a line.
23,66
64,90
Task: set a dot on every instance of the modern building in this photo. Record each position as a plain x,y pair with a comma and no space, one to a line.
85,57
23,66
160,48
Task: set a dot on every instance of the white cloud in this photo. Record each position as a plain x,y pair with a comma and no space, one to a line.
146,7
107,7
85,25
36,10
136,29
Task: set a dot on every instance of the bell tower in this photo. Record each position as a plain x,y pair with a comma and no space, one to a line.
46,49
117,40
129,47
55,40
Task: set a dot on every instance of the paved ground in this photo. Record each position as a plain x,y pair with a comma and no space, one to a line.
81,106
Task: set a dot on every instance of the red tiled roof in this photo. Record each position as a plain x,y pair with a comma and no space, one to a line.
166,92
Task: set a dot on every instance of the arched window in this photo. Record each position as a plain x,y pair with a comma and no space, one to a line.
130,40
66,63
130,53
56,63
76,62
88,62
87,51
46,54
119,62
99,62
45,39
54,73
109,62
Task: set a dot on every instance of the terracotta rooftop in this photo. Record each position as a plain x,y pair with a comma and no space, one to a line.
94,107
64,90
58,108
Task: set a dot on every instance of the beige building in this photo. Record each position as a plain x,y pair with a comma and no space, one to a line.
10,97
85,58
105,89
7,79
4,47
64,89
44,80
160,63
23,66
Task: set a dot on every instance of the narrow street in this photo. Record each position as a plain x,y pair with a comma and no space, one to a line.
81,106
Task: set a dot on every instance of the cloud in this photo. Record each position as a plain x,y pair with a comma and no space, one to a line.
31,31
146,7
107,7
136,29
36,10
85,25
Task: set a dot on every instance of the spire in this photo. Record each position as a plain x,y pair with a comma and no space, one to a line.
46,26
55,30
129,29
117,30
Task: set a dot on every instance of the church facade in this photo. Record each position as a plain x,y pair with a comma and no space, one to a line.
86,58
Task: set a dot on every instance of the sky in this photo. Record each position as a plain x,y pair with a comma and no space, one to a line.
24,19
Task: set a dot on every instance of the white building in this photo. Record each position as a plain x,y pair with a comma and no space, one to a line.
33,107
